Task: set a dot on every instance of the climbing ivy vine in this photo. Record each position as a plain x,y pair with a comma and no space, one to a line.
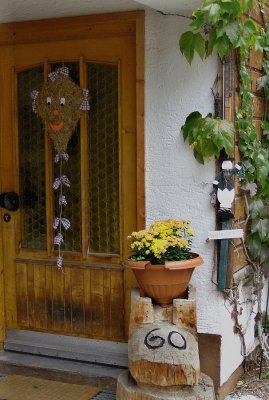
224,26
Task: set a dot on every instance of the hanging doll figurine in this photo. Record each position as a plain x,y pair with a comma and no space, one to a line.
224,188
59,105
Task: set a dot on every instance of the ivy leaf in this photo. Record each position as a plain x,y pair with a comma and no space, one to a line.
264,253
245,5
214,11
198,19
190,42
222,45
250,187
191,126
208,136
199,45
256,208
249,32
212,40
253,244
262,82
261,226
231,7
232,31
223,134
198,156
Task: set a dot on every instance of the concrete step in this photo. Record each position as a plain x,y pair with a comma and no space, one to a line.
67,347
102,376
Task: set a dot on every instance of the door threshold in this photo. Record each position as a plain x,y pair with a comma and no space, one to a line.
67,347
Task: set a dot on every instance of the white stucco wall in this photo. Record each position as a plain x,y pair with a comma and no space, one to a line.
177,186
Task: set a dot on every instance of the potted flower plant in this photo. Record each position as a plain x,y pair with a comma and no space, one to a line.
162,260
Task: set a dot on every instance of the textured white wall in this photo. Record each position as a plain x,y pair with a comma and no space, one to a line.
176,185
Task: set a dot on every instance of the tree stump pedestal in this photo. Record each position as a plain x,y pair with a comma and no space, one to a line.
163,356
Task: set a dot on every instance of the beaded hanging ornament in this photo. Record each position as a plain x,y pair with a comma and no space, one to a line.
59,104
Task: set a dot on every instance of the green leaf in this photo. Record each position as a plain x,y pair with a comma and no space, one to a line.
253,244
256,208
261,226
264,253
214,11
190,42
208,136
193,116
231,7
199,45
249,33
191,126
198,156
212,40
198,19
186,45
245,5
222,46
232,31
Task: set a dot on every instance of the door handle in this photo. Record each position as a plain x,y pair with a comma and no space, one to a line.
10,201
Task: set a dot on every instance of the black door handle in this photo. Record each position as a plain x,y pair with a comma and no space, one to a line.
10,201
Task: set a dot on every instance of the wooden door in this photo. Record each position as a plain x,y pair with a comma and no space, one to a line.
90,297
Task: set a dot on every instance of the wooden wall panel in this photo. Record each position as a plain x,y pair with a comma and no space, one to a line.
40,297
31,294
58,300
67,301
49,297
97,294
77,300
86,302
22,298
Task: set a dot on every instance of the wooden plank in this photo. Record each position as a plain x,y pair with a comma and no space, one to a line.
140,87
87,301
21,295
58,299
107,303
106,25
97,293
256,59
258,107
31,295
40,296
239,208
67,300
255,13
117,331
7,184
49,296
77,295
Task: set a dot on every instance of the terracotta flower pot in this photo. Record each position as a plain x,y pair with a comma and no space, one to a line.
164,282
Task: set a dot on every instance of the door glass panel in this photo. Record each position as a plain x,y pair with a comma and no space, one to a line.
103,159
71,168
31,163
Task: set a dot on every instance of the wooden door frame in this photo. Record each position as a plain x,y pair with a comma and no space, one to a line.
83,27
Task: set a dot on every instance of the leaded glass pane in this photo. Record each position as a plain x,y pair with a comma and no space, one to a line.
71,168
31,163
104,159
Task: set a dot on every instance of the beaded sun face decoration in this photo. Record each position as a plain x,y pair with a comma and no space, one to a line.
59,105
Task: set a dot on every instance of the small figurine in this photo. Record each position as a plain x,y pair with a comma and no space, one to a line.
224,188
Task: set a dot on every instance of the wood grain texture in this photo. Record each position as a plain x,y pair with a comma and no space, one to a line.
92,297
78,302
